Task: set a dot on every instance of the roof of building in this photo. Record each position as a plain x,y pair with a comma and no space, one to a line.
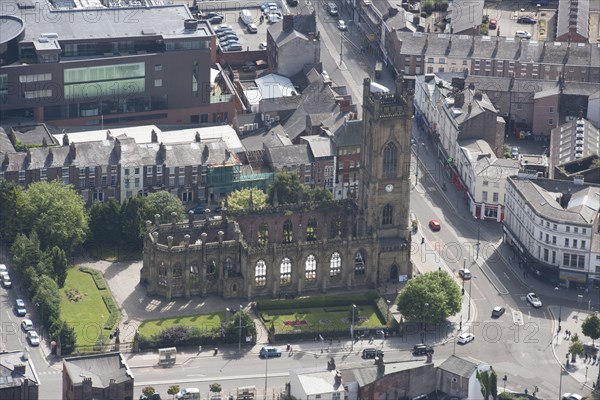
275,86
15,368
319,381
350,133
303,25
484,162
6,145
102,368
573,15
412,43
574,140
288,156
78,24
557,200
501,84
459,366
465,14
320,147
274,137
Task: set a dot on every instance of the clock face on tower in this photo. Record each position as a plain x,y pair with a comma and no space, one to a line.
389,188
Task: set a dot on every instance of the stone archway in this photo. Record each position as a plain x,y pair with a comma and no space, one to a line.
394,273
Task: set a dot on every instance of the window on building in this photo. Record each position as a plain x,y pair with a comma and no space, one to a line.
335,265
177,277
546,254
211,268
287,232
495,197
263,234
486,183
158,83
550,121
388,215
566,242
311,230
484,196
158,67
285,272
310,268
260,274
194,275
583,244
335,230
359,263
162,274
390,159
568,229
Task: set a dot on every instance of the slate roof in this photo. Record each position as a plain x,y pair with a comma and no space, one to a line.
580,54
10,377
438,44
484,162
507,48
502,84
564,21
459,366
543,195
350,133
465,14
320,147
5,143
288,156
102,368
460,46
304,24
412,43
483,46
274,137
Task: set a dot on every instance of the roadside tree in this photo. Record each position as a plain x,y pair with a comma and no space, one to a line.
11,199
173,390
591,327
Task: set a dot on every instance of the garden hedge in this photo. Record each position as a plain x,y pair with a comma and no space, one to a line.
365,298
96,276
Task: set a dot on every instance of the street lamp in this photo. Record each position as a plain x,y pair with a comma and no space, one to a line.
478,243
240,334
352,328
463,281
388,315
559,313
417,166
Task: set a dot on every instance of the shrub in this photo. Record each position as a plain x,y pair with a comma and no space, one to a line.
96,276
113,318
365,298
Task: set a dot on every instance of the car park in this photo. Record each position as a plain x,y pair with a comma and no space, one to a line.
523,34
33,338
435,225
534,300
27,325
465,274
234,47
526,19
269,352
252,28
422,349
342,25
465,338
497,312
372,353
20,308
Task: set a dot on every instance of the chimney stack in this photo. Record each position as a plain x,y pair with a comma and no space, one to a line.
72,151
154,136
338,378
65,141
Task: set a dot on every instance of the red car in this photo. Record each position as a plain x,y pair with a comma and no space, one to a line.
435,225
493,24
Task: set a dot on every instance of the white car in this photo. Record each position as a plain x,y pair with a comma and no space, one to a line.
572,396
514,152
534,300
465,338
523,34
4,275
3,268
342,25
33,338
27,325
188,393
6,282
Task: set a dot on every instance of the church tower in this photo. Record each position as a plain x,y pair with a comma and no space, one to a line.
385,176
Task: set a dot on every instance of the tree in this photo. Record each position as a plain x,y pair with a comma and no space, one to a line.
173,390
430,298
148,391
317,195
591,327
240,199
576,348
65,334
56,213
215,387
11,199
105,221
132,224
484,381
163,203
26,251
287,186
47,299
59,265
493,383
248,326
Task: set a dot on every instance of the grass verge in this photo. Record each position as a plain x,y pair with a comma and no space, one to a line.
204,322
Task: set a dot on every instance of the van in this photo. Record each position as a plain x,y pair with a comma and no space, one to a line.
246,17
269,351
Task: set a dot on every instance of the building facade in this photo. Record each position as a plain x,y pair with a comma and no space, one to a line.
302,247
553,227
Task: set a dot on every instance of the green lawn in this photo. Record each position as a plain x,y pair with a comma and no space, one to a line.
85,315
320,319
202,321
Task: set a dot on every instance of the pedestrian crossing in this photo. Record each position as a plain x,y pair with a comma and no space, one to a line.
51,372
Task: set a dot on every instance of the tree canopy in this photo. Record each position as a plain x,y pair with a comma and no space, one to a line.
163,203
291,190
591,327
430,298
56,213
240,199
11,199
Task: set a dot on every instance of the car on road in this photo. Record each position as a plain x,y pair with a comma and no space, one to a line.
493,24
332,9
372,353
20,308
534,300
27,325
33,338
342,25
3,274
269,351
526,19
435,225
465,274
188,394
422,349
523,34
465,338
514,152
6,282
155,396
572,396
498,311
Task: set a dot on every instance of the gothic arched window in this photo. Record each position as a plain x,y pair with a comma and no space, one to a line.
263,234
311,230
260,274
288,231
359,263
390,159
335,265
285,272
336,227
310,271
388,215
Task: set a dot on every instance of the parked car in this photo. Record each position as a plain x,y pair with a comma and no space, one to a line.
514,152
422,349
252,28
6,282
526,19
213,14
465,338
523,34
155,396
188,394
225,44
223,27
3,274
269,351
234,47
498,311
262,45
342,25
372,353
292,3
465,274
332,9
33,338
225,32
265,6
534,300
27,325
3,268
435,225
20,308
215,20
229,36
198,209
493,24
572,396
